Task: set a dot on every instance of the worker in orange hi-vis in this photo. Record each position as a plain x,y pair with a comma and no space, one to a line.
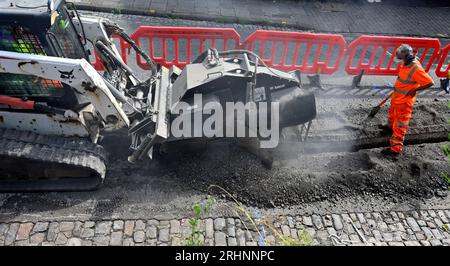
411,78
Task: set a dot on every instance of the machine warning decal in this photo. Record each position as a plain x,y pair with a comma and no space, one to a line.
67,74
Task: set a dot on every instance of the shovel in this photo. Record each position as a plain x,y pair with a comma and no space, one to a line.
375,110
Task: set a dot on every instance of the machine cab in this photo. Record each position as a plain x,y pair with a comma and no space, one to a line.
39,27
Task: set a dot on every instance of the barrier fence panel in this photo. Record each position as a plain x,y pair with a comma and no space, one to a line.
443,66
96,63
375,54
307,52
179,46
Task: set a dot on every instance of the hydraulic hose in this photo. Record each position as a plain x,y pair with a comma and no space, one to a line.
115,29
119,96
103,48
115,92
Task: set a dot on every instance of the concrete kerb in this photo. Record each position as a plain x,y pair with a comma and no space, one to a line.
174,15
229,19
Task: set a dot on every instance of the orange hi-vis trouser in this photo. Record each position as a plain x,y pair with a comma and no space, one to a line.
399,117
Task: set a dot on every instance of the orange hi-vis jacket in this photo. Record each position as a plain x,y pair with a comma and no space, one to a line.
409,77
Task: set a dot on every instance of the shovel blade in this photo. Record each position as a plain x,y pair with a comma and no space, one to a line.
373,112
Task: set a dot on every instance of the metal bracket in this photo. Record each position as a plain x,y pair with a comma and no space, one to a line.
357,79
212,58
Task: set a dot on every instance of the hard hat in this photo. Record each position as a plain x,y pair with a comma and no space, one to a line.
404,51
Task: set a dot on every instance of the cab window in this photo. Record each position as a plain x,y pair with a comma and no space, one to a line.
65,36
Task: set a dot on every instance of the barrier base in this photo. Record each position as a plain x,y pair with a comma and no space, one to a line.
357,80
314,81
445,85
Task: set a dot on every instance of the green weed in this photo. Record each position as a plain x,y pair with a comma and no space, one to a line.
447,178
199,209
117,11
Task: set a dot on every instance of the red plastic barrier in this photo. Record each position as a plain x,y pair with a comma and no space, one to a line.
369,46
97,64
122,49
445,59
190,35
308,52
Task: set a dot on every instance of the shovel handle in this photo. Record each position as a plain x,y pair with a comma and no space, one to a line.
385,100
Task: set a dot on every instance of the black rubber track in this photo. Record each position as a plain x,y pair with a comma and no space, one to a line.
23,150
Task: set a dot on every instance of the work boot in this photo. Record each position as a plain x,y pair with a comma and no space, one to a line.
385,130
389,153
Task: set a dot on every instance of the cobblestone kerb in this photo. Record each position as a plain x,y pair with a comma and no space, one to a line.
414,228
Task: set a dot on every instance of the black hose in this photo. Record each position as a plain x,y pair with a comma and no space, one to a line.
103,48
79,19
115,29
201,57
115,92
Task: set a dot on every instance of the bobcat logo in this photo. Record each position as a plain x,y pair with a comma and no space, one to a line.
66,74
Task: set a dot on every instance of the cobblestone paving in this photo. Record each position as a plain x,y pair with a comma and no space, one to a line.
422,228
